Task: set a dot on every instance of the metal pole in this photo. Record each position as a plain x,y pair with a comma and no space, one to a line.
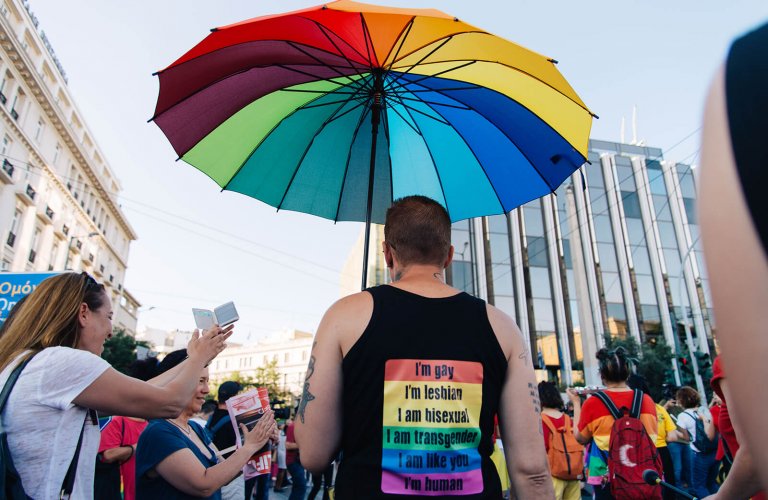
688,336
378,91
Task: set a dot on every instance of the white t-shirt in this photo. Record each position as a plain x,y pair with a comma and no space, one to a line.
43,425
687,420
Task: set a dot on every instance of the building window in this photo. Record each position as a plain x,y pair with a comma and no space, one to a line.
56,153
35,244
5,148
14,230
40,128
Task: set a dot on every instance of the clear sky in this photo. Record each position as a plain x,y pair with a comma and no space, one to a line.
199,247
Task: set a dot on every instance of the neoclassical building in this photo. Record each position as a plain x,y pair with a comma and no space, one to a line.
58,194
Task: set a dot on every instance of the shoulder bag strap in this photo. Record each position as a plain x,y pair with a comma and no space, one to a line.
608,402
69,480
637,403
548,422
12,378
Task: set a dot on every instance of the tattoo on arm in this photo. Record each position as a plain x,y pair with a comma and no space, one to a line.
534,392
524,354
307,396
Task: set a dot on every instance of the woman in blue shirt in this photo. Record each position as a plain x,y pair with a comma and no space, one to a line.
175,459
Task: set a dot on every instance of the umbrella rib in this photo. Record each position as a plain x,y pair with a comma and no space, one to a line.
425,77
402,36
357,72
435,41
317,91
416,91
513,68
479,163
324,30
407,122
349,158
244,70
367,37
535,167
422,59
316,77
433,103
361,103
242,164
304,154
429,150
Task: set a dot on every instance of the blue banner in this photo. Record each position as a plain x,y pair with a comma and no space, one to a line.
14,286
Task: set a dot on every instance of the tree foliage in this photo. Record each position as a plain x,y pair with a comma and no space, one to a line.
652,360
120,350
267,376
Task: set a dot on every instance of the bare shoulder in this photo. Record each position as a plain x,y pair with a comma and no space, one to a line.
507,333
346,319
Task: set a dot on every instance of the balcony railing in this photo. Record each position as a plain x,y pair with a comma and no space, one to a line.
14,114
11,240
8,168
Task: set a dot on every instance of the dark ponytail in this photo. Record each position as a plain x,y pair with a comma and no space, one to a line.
614,364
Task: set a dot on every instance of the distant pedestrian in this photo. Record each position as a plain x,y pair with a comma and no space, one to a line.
695,419
668,433
565,454
595,421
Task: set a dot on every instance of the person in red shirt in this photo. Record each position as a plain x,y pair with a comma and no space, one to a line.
120,436
295,469
551,409
741,482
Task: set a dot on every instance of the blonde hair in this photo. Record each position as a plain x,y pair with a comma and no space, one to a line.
49,315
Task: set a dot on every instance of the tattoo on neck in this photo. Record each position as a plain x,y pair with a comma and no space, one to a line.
438,276
397,275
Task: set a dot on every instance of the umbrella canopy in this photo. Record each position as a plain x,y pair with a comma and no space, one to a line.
340,109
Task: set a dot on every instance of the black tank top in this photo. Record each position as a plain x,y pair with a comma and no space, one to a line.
421,388
746,88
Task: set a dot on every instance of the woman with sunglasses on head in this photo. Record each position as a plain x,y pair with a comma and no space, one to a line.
60,330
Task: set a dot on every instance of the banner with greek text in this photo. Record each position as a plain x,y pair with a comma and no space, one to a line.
14,286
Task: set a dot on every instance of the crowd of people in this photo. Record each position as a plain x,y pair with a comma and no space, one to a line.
410,384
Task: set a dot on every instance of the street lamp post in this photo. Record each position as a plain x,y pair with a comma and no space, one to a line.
69,246
686,326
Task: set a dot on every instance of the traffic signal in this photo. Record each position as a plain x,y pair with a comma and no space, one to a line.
686,371
703,361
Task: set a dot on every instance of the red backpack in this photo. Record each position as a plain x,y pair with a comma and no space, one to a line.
630,452
565,454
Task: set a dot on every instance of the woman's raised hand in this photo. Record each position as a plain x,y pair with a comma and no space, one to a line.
264,429
208,345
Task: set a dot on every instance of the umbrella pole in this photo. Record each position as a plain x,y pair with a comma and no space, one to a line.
375,118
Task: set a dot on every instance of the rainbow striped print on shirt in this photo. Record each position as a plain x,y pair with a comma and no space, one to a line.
431,427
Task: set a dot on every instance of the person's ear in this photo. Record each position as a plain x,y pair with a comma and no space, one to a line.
82,314
388,259
449,259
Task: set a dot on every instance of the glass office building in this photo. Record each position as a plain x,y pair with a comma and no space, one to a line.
615,250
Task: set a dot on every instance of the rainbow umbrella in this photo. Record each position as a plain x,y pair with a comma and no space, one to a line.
339,109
